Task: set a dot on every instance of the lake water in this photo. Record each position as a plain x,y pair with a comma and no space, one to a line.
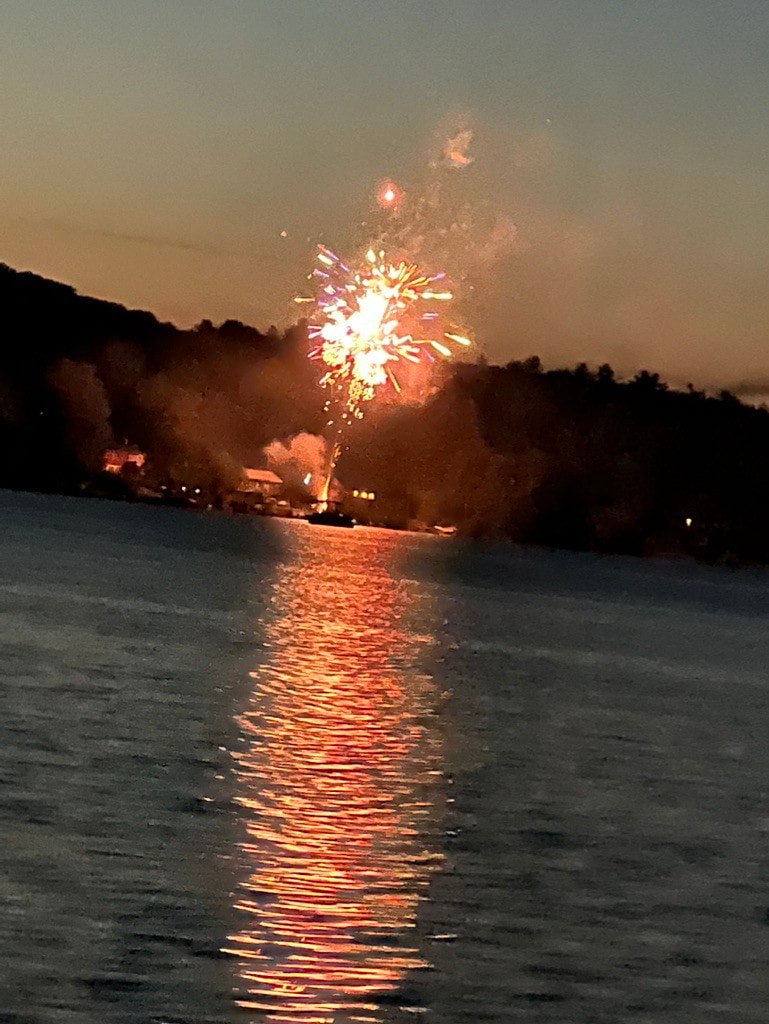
263,771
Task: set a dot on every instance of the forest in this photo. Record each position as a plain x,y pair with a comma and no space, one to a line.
572,458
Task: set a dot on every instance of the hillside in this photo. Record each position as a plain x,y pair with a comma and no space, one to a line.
568,458
78,374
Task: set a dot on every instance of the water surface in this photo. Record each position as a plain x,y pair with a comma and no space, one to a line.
263,771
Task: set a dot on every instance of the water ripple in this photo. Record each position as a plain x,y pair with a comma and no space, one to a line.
337,788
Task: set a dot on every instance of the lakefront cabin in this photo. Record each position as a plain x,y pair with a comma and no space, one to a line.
261,482
116,460
260,491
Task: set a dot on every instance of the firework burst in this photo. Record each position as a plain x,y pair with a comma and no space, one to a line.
366,321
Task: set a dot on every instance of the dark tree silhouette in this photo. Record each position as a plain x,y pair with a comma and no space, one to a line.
572,458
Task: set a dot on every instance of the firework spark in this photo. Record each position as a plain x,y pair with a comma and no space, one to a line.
389,196
367,321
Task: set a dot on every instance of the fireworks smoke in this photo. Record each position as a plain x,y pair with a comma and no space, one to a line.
456,151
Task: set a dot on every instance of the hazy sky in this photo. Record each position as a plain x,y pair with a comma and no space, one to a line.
154,150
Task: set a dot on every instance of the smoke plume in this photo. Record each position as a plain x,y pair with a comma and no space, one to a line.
301,462
86,410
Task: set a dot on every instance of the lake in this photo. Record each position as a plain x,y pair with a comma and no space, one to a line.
256,770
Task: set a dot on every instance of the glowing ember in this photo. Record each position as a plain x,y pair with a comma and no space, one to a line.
389,195
368,320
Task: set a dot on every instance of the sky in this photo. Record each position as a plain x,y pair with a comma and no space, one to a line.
185,156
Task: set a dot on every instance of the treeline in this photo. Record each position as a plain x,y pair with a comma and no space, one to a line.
577,459
79,375
568,458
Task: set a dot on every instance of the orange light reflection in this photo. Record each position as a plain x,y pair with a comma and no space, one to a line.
336,791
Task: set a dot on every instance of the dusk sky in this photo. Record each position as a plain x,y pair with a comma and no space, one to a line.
155,150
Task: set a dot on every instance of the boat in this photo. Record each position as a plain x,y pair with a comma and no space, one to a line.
331,517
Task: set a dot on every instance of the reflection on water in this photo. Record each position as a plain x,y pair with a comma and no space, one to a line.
337,785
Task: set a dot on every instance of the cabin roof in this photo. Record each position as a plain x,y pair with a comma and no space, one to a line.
262,476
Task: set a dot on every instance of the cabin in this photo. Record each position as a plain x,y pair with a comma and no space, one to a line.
259,491
262,483
117,460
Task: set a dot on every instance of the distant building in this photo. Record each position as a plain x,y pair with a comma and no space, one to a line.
115,460
260,482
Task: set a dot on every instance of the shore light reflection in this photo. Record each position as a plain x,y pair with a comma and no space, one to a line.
336,785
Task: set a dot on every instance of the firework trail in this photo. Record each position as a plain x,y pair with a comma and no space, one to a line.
371,319
365,323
